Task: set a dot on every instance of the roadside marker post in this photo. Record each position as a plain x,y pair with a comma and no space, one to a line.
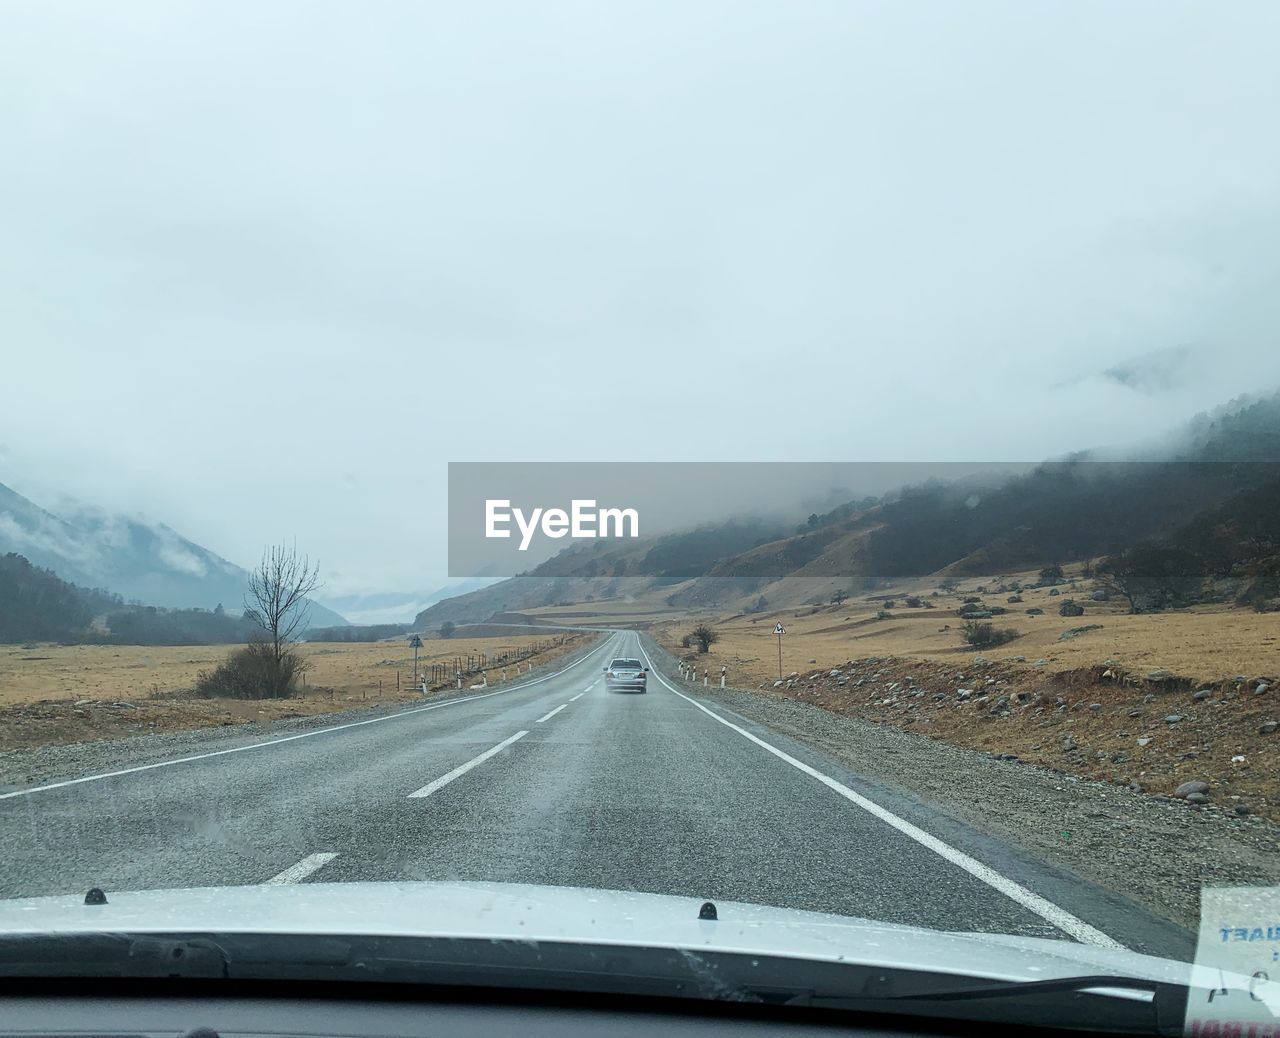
779,630
416,643
722,670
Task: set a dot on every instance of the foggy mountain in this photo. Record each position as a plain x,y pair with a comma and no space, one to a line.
1214,486
395,607
141,561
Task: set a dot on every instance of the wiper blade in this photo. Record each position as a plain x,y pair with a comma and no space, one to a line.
1020,988
1036,1001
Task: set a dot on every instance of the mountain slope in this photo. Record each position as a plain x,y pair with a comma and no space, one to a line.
1075,509
144,562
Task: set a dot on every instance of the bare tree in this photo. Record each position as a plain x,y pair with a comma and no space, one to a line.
1151,576
277,596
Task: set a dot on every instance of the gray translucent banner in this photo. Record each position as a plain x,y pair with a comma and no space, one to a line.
508,518
754,521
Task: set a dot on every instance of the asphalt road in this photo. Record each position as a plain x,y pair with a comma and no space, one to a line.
558,782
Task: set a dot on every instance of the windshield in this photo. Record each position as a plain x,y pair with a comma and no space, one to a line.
925,579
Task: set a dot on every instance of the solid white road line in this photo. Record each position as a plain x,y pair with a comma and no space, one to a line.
547,717
462,769
300,735
574,699
1046,910
304,868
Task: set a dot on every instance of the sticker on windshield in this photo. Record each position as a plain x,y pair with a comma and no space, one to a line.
1235,986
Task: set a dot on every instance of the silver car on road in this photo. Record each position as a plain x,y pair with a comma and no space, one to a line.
626,675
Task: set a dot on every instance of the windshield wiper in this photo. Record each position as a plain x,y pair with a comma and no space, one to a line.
1035,1001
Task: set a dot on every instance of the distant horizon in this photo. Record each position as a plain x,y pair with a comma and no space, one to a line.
402,604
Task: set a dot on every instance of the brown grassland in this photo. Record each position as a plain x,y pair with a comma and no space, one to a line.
1096,705
60,694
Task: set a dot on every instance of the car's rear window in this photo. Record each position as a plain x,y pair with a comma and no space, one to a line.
625,665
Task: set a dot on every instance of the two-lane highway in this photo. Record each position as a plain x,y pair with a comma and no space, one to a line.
555,782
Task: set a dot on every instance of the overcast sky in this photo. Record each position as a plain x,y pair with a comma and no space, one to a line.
268,267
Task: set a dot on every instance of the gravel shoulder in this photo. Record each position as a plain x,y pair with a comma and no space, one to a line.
1156,852
36,765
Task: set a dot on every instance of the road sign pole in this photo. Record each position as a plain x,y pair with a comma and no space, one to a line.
779,630
416,642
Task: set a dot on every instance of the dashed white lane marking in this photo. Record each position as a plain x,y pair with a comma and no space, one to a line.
1045,909
300,735
574,699
297,873
462,769
548,716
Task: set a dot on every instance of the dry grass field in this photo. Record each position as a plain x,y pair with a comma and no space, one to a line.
59,694
1208,643
1155,699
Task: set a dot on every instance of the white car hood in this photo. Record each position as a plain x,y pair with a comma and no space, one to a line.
536,914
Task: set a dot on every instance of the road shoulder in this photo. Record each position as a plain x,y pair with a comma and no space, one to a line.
1156,853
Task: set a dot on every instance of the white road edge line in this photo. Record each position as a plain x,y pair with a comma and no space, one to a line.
462,769
574,699
297,873
1045,909
300,735
548,716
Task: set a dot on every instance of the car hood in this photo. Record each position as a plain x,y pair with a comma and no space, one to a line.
503,912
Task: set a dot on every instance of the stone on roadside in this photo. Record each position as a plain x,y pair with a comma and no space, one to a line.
1187,788
1075,632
